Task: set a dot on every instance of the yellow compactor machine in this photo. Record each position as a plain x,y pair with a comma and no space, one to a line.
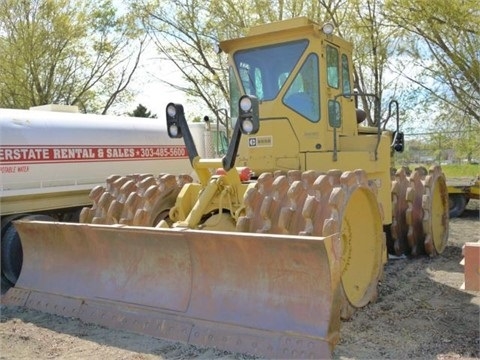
275,242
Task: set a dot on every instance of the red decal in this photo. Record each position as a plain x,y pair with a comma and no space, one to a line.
17,154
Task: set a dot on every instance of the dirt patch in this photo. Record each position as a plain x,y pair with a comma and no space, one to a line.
421,313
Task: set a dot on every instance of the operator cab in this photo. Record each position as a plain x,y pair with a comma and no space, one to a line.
302,77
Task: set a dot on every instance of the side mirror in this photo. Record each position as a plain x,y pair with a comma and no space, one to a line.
334,114
398,142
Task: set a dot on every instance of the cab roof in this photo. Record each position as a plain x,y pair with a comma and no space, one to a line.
280,31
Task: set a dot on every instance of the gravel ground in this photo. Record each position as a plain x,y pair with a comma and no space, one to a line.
421,313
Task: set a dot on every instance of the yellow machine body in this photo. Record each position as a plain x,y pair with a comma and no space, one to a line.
276,242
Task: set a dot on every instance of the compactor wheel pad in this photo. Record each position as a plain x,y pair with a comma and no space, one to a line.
141,200
292,219
399,229
260,199
253,198
436,207
414,213
356,214
321,205
102,197
427,213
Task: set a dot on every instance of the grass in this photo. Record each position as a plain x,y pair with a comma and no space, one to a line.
455,170
461,170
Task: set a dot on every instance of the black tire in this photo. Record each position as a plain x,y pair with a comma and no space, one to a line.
12,253
5,285
457,203
6,222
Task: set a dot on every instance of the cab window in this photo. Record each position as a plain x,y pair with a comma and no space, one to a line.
332,67
251,78
264,70
303,95
346,85
234,95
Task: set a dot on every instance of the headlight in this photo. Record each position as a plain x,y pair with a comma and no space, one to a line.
328,28
173,130
247,126
248,114
175,117
171,110
245,104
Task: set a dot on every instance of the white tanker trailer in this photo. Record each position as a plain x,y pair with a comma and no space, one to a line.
51,160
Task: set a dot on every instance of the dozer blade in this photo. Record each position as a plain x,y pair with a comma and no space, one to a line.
268,295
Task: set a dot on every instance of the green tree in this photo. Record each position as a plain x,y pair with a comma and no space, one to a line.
66,52
142,111
389,60
185,33
374,39
442,41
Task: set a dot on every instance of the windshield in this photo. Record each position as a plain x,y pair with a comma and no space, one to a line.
264,70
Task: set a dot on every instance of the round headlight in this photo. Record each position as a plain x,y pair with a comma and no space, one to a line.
173,130
245,104
171,110
247,126
328,28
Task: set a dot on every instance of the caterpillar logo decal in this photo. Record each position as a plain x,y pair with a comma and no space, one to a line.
260,141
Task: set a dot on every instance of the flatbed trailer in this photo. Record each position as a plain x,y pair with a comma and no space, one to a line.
459,194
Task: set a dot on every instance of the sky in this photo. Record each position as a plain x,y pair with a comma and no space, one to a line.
152,92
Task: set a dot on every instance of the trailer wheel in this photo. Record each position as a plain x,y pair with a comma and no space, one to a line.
457,203
12,253
5,285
